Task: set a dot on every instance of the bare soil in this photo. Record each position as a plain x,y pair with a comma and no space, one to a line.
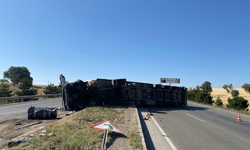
123,118
11,128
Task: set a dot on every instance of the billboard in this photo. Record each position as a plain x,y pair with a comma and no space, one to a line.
170,80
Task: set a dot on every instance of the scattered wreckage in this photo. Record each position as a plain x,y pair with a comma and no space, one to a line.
42,113
98,92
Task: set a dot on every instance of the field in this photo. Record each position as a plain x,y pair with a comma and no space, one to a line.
39,87
224,95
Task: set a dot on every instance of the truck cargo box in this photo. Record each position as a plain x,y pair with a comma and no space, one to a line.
96,92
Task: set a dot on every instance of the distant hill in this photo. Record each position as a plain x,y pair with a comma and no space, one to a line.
39,87
224,95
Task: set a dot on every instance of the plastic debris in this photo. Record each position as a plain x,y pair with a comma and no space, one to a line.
18,141
43,131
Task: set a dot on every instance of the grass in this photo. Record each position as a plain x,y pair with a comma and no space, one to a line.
40,88
73,132
224,95
134,137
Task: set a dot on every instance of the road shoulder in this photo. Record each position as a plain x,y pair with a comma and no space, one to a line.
153,137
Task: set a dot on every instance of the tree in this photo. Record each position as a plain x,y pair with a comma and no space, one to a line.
246,87
200,96
4,80
206,86
16,74
51,89
218,102
5,90
228,88
237,103
203,96
25,85
235,93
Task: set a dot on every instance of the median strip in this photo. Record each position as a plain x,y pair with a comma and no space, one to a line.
73,132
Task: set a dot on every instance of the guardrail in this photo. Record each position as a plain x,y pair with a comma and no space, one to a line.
28,96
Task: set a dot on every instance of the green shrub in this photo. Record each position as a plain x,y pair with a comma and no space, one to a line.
200,96
235,93
218,102
5,90
237,103
51,89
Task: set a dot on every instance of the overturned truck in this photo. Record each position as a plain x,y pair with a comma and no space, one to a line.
96,92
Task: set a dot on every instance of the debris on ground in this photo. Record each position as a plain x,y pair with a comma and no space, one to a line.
42,113
9,131
44,131
31,124
42,134
51,134
18,141
70,113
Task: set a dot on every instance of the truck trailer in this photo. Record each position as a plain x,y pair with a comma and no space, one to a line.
99,92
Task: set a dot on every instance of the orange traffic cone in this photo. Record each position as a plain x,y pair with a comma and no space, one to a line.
239,120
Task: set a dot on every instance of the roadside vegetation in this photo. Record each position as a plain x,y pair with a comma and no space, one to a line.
202,95
20,83
73,132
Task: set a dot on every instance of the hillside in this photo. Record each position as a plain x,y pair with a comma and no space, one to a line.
39,87
224,95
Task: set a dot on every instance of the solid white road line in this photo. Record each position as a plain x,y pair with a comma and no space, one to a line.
165,135
195,117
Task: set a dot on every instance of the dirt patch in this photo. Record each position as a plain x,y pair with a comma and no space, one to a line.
125,120
73,132
12,128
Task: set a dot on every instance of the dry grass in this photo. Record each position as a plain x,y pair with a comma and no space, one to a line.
224,95
40,88
73,132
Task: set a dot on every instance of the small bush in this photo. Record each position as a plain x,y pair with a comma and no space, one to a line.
200,96
218,102
5,90
235,93
237,103
51,89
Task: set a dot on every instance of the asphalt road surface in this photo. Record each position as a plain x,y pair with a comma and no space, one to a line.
20,109
198,127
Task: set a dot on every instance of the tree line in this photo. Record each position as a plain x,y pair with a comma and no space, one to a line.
21,76
202,94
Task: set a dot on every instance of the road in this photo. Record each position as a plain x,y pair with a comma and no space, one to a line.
20,109
199,127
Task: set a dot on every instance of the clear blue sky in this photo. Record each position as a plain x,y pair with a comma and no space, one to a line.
194,40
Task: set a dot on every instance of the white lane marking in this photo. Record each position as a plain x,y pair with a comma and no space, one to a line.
195,117
164,134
